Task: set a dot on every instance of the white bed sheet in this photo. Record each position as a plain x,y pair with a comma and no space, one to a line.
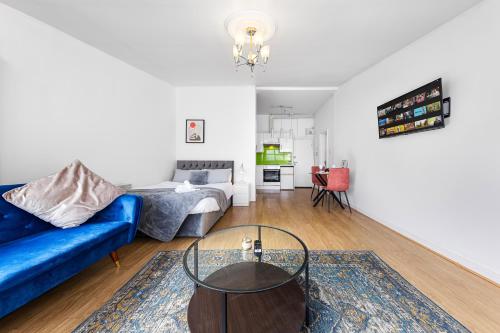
206,205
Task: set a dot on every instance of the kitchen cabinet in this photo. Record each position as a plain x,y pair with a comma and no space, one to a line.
299,126
286,145
264,138
263,123
269,138
287,178
259,141
259,175
303,125
283,126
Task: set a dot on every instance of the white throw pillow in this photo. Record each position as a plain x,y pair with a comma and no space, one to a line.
67,198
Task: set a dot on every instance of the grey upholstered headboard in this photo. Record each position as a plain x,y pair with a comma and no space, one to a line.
198,165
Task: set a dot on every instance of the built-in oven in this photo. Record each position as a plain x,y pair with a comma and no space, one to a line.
271,175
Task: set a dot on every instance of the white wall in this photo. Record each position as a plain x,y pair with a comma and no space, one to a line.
61,99
229,114
441,187
323,121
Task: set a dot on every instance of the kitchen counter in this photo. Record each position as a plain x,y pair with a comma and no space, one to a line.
285,182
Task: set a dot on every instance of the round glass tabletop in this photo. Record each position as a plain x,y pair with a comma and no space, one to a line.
245,259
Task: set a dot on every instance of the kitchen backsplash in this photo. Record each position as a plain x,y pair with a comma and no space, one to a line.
272,156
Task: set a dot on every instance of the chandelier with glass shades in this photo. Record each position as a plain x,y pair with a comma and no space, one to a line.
249,30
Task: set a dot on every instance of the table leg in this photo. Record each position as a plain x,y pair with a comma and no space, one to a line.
321,180
321,192
259,228
195,264
224,314
319,197
307,294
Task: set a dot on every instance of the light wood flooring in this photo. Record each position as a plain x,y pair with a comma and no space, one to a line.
472,300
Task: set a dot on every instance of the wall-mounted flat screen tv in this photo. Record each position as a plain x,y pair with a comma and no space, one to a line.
419,110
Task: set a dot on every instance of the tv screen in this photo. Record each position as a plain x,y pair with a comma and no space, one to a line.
419,110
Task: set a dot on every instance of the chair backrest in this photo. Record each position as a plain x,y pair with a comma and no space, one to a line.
314,179
338,180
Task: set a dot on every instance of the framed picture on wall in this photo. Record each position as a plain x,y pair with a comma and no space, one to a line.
195,131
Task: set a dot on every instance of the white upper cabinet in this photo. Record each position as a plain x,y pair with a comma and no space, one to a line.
299,126
284,125
264,138
276,125
303,125
286,145
263,123
259,142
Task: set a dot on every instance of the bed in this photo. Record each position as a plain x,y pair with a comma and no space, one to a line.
206,212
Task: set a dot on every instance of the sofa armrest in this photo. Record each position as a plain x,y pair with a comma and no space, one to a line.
125,208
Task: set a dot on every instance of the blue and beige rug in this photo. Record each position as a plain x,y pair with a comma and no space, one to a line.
351,291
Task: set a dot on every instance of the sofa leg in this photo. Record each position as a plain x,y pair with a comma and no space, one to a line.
114,257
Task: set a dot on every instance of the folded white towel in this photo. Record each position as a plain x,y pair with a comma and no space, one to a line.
185,187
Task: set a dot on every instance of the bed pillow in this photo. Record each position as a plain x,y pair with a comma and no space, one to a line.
198,177
67,198
181,175
219,176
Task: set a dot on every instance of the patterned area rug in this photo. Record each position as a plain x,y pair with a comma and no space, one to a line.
351,291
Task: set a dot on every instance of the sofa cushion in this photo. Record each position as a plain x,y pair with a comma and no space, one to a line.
65,199
25,258
16,223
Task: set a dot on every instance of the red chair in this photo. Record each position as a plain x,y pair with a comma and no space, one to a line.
338,181
314,179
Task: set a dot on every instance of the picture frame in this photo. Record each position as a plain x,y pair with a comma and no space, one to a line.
195,130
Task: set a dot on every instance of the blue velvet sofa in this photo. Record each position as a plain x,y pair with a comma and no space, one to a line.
36,256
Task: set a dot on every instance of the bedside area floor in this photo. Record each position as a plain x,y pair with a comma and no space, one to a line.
472,300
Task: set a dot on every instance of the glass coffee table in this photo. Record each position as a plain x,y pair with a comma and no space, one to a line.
245,280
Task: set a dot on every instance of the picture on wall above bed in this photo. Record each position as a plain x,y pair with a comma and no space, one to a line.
195,131
416,111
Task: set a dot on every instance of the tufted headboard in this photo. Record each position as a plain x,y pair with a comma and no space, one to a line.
198,165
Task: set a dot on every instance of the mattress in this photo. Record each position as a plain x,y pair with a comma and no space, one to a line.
206,205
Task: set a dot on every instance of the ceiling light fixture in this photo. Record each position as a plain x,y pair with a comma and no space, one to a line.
249,30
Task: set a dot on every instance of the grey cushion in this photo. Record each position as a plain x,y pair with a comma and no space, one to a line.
181,175
198,177
219,176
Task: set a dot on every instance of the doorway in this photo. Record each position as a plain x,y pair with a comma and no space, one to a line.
303,159
323,148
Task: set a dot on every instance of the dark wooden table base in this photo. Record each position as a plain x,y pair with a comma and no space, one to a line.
277,310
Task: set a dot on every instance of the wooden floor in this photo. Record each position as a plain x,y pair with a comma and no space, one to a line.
472,300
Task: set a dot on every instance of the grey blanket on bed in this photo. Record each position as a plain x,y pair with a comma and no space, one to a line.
164,211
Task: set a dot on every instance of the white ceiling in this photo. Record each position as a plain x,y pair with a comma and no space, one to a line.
318,42
303,102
